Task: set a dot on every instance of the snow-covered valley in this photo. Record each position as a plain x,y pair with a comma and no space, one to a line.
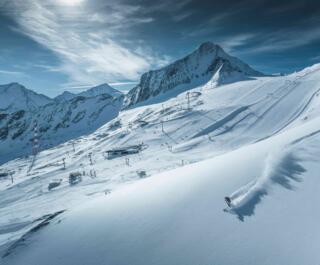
256,141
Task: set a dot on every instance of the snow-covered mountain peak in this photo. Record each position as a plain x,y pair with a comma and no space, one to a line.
195,69
208,47
10,85
66,95
101,89
15,96
65,117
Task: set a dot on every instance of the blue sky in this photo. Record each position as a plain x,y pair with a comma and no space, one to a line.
55,45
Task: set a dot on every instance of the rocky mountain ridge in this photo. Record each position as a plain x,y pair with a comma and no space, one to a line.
207,62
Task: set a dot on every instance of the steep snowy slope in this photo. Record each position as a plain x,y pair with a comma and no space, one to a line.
14,97
179,217
59,121
261,137
208,61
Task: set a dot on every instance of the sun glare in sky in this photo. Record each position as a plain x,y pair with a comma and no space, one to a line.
70,2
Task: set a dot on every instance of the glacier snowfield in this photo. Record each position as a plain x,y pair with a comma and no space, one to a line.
256,141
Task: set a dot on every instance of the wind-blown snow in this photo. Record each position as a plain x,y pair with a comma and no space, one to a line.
281,167
177,217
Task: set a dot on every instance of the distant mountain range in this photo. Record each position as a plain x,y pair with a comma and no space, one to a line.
57,120
70,115
92,92
15,97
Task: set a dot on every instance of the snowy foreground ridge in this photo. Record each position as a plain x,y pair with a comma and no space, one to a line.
256,140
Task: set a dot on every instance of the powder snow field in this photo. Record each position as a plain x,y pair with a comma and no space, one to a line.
256,141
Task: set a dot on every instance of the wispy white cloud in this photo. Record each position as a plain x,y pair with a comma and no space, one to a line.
232,42
86,40
316,58
8,72
211,25
123,83
73,87
286,39
182,16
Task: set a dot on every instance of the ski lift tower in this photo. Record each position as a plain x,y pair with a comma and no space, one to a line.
35,140
188,100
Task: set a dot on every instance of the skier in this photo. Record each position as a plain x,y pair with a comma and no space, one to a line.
228,201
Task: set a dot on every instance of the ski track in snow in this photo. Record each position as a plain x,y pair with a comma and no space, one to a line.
282,167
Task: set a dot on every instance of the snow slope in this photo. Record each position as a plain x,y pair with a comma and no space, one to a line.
177,217
256,141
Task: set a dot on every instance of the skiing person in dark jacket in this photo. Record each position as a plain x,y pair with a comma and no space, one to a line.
228,201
